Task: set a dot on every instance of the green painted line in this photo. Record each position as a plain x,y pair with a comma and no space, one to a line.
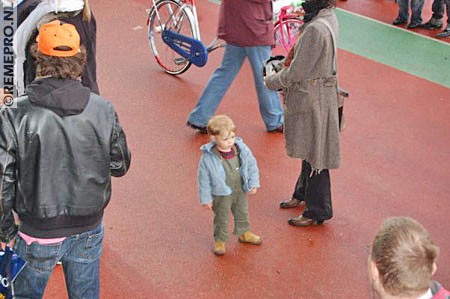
401,49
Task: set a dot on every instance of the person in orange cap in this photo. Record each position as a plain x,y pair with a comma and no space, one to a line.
31,15
58,150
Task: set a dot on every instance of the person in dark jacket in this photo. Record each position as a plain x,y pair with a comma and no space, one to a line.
58,150
402,262
247,28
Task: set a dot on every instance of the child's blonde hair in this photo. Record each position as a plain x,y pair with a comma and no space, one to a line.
219,124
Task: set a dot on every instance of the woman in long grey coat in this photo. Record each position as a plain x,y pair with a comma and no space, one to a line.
311,126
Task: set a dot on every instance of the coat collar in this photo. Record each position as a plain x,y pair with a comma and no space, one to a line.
209,146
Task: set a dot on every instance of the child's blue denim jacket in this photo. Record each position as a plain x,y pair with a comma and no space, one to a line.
212,177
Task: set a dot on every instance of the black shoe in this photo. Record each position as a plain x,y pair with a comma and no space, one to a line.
398,21
201,130
444,34
280,129
304,221
430,25
292,203
412,26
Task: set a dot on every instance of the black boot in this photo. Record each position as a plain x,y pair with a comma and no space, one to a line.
432,24
445,33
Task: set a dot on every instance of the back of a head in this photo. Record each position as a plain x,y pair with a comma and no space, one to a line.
58,51
404,255
321,4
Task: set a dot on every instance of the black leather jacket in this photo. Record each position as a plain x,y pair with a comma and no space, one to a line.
58,150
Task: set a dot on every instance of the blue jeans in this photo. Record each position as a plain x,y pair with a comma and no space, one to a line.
233,58
80,256
416,10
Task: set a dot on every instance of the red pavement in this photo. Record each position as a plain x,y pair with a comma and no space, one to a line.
395,152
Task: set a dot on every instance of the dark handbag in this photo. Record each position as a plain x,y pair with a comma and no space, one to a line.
273,65
341,95
10,266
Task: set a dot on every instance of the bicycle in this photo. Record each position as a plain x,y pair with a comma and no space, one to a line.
288,21
174,36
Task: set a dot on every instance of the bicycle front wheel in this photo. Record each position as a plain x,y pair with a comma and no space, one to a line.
286,34
169,14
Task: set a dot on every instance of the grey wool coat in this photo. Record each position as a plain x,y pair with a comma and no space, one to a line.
311,125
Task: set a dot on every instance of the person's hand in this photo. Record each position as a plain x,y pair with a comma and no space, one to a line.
2,96
270,72
290,56
10,244
253,191
208,205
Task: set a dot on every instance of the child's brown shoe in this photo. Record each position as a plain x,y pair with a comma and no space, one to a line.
219,248
249,237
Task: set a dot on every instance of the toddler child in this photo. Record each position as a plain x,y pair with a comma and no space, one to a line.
227,171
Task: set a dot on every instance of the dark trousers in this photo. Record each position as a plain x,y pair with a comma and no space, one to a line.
315,190
438,9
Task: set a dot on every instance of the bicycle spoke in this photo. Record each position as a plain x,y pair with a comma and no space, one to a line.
168,15
286,34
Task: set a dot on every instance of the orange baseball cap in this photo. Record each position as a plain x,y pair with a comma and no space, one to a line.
58,39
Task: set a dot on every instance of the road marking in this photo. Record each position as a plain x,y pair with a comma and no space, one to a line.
402,49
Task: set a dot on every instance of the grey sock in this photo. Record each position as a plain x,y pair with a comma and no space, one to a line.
437,22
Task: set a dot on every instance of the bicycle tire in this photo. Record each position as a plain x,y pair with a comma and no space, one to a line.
170,61
286,34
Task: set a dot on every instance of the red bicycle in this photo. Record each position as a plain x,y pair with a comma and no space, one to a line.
288,21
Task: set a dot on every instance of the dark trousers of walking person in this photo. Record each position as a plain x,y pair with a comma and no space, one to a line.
315,189
436,21
438,8
416,11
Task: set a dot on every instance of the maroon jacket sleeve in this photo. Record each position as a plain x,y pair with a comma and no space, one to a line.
246,23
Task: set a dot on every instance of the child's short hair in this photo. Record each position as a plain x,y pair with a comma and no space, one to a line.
404,255
219,124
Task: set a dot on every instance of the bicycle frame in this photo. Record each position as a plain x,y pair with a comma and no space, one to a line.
191,49
191,5
174,35
188,6
283,18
